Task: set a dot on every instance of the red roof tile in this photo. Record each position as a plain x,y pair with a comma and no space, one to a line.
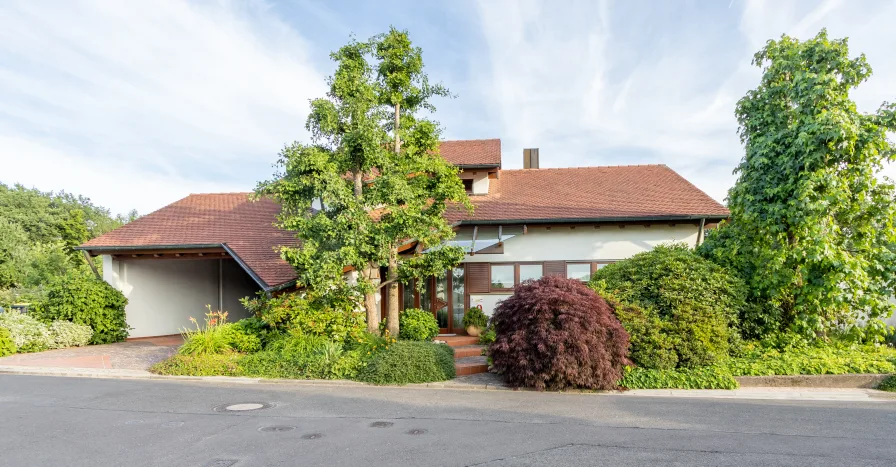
480,152
246,227
593,193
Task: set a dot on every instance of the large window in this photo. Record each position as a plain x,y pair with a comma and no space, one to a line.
531,271
579,271
502,276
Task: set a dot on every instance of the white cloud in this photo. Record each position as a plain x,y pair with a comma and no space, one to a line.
147,101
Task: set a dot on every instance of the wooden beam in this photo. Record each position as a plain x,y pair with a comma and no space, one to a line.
90,263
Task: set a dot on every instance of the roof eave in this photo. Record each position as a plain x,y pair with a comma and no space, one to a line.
574,220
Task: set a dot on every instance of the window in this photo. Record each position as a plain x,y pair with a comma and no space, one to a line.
468,185
502,276
531,271
580,271
600,265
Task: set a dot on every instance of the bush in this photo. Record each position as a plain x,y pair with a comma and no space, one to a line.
27,333
678,307
406,362
303,357
415,324
241,338
67,334
338,322
475,317
256,327
487,336
555,333
86,300
199,365
821,360
682,378
214,337
7,346
888,384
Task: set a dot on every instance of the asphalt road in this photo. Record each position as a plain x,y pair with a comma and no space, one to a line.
53,421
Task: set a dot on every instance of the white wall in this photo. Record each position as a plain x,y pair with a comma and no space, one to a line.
608,243
163,294
480,181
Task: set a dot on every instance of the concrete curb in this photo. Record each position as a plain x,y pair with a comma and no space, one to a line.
863,381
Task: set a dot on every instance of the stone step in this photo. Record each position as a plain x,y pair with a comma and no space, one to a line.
468,351
458,341
470,365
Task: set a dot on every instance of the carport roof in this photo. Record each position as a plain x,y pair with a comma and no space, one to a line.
232,220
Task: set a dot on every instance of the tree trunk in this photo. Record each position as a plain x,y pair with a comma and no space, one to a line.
372,272
392,303
359,183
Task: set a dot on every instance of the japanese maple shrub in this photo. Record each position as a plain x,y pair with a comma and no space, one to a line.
556,333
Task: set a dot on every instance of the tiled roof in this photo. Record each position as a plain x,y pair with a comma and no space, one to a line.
479,152
611,193
246,227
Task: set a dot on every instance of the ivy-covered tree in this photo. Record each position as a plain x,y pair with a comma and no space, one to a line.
356,196
812,226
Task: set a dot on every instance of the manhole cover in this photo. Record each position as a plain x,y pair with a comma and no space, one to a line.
313,436
276,428
381,424
172,424
242,407
417,431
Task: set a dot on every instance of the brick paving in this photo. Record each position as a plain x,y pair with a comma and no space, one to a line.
137,354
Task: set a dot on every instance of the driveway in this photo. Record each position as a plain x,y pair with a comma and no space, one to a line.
137,354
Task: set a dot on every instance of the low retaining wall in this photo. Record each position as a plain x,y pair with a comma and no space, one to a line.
869,381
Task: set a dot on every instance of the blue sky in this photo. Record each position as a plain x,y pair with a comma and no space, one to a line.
137,104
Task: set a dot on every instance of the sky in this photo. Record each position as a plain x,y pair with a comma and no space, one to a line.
138,104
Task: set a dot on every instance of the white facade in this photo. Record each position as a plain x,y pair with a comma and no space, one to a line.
581,243
163,294
480,181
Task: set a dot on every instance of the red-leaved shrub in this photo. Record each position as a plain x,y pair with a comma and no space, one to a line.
556,333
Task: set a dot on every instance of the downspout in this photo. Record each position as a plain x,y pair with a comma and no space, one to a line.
700,232
220,285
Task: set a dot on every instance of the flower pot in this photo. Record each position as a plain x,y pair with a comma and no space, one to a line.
474,331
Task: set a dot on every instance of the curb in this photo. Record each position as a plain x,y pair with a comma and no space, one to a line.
850,381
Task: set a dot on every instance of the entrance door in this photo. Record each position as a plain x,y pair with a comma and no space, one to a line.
444,297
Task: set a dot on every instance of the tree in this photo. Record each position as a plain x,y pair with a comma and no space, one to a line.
812,226
353,200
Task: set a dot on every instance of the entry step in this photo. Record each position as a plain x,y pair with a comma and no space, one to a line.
470,365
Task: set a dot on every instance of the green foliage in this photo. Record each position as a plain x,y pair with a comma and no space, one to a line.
406,362
82,299
681,378
678,307
67,334
811,228
815,360
299,313
250,334
475,317
13,253
199,365
397,187
888,384
487,336
303,357
27,333
7,346
417,325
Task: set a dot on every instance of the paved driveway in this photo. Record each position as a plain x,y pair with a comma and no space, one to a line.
137,354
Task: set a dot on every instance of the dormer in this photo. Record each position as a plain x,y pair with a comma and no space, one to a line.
479,161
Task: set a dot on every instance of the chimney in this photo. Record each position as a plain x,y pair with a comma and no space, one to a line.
530,158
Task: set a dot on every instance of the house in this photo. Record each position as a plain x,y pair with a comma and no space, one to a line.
213,249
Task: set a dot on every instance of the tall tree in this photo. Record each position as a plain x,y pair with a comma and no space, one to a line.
812,225
353,200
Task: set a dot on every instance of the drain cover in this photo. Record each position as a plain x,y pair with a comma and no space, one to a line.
381,424
242,407
313,436
417,431
276,428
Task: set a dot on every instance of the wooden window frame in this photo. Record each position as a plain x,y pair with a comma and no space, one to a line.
528,263
516,277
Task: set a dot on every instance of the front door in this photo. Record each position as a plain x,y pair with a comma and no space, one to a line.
443,295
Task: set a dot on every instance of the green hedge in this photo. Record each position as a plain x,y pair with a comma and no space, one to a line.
89,301
406,362
415,324
681,378
829,360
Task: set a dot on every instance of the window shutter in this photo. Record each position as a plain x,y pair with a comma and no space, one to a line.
477,277
555,268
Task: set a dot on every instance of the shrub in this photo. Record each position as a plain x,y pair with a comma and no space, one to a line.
241,338
339,321
85,300
672,301
888,384
199,365
67,334
475,317
555,333
682,378
257,327
27,333
415,324
487,336
406,362
7,346
820,360
214,337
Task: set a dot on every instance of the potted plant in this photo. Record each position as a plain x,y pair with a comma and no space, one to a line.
475,321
